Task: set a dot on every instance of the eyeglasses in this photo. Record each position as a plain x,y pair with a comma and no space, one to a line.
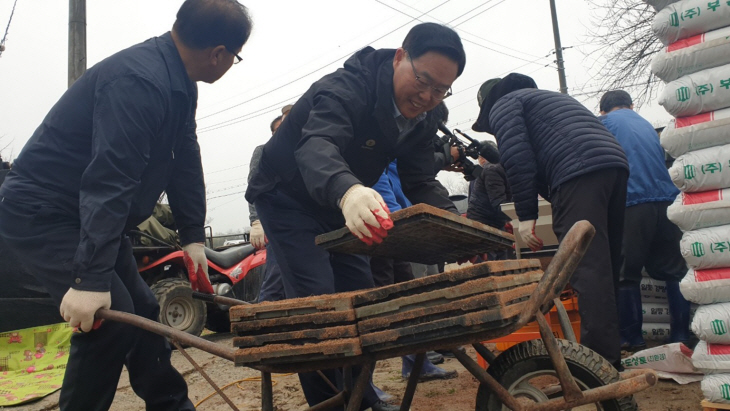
438,93
238,58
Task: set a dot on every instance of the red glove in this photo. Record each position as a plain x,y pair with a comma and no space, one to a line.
379,233
192,256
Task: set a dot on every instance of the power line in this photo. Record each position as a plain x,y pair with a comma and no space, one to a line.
7,28
220,125
502,1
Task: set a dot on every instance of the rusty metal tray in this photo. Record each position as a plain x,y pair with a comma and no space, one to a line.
423,234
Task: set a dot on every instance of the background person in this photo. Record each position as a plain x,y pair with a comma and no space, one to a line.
650,240
94,168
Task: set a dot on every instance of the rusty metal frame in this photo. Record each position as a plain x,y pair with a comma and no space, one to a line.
543,297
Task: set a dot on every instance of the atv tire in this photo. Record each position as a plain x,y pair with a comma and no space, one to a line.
516,367
178,308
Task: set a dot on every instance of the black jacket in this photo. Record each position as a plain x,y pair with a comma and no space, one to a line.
490,190
342,132
119,137
545,139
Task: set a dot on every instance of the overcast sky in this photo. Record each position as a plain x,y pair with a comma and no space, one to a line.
293,44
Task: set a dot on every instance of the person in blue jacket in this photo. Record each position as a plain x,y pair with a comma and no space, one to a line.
122,134
387,271
651,241
552,145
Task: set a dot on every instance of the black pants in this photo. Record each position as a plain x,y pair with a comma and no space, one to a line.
272,288
651,241
45,239
387,271
307,269
600,198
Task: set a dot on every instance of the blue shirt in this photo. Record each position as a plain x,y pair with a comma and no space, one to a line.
388,186
649,179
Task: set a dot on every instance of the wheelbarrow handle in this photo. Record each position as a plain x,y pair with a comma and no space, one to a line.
166,331
558,273
218,299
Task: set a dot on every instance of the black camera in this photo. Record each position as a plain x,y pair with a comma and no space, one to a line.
474,149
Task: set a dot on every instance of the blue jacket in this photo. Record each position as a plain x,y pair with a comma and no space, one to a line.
649,180
119,137
545,139
389,187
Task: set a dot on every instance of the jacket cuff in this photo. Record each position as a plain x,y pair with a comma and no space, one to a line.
190,235
339,186
99,282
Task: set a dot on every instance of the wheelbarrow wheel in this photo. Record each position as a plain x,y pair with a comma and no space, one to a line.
526,371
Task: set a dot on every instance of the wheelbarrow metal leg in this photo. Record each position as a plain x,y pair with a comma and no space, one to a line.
484,352
571,391
207,378
363,380
564,321
327,380
267,392
329,404
405,405
641,380
486,379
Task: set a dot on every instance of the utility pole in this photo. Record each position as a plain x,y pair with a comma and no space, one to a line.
76,39
558,49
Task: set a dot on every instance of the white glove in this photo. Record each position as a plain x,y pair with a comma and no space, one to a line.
359,206
257,235
78,307
527,232
197,265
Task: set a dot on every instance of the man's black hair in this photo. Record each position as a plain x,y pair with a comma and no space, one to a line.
438,38
278,118
209,23
615,99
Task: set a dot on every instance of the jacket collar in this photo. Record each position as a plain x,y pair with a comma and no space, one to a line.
179,80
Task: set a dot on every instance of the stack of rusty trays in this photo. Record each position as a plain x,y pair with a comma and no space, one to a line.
438,310
423,234
302,330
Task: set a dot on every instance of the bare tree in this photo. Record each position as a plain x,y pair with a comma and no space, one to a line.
625,44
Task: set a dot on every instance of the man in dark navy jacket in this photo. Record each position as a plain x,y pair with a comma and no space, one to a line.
651,241
122,134
316,172
552,145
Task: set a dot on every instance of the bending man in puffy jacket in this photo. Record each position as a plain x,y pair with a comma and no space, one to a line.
316,172
552,145
651,241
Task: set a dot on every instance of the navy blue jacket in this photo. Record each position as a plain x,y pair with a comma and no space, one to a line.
490,190
649,180
119,137
545,139
342,132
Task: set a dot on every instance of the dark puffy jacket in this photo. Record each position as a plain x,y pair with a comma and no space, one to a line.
123,133
545,139
342,132
490,190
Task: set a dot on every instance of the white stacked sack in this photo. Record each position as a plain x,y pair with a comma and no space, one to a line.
696,65
691,211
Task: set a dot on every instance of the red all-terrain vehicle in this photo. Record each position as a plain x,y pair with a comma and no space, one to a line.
235,272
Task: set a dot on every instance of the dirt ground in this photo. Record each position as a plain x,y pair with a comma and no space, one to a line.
245,391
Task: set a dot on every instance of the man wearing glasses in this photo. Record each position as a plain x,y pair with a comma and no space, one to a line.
95,167
316,171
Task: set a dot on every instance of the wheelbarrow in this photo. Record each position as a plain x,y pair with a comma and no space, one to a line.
583,377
